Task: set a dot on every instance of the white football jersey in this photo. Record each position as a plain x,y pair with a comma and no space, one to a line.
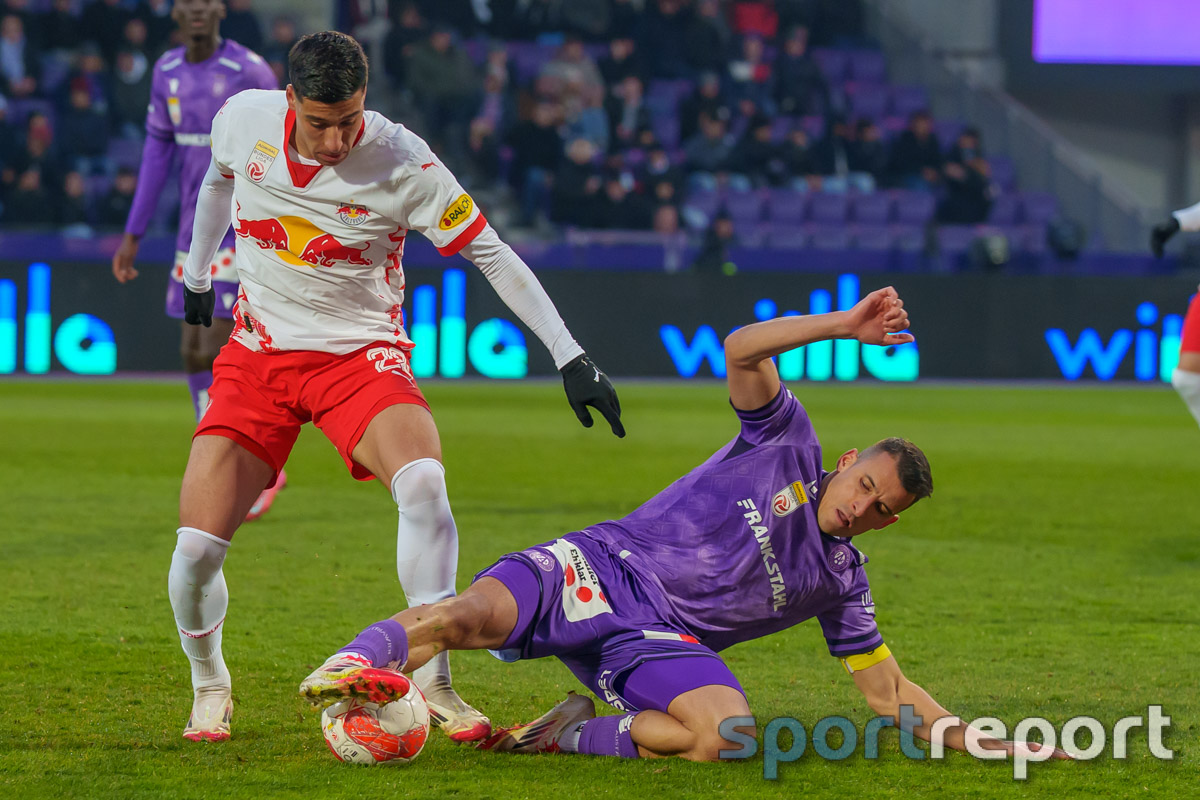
319,247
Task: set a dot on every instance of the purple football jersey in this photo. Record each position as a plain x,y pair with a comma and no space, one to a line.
184,98
734,545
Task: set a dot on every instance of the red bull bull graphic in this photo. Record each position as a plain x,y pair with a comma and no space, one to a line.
301,243
326,250
269,234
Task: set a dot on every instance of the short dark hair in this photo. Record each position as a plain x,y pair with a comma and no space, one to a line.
327,67
911,465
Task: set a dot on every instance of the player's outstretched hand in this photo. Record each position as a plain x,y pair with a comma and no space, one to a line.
198,307
1160,235
122,261
1026,748
587,386
879,318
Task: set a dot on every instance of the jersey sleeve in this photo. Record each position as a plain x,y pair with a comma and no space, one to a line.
221,126
158,118
849,627
781,420
434,204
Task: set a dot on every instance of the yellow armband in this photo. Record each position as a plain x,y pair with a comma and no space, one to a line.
860,661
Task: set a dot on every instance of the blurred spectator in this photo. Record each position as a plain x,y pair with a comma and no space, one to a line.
759,158
499,105
577,186
572,66
114,209
714,251
800,86
622,61
868,153
916,158
707,37
445,91
841,23
72,209
135,37
83,132
590,19
537,151
91,73
103,24
585,117
707,99
663,40
39,154
627,112
707,153
19,59
159,26
130,93
666,220
832,152
755,17
241,24
626,18
751,77
658,177
283,36
458,15
61,30
30,203
799,163
969,191
483,150
621,209
9,141
407,31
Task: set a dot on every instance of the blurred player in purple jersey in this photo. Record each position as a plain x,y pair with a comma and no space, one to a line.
189,86
755,540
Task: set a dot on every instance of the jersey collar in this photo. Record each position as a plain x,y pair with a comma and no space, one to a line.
302,174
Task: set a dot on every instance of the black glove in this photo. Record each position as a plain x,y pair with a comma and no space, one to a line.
1160,235
586,386
198,308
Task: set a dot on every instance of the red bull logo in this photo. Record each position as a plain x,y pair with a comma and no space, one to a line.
353,215
299,242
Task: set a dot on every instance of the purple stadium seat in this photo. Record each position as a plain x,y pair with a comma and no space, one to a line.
476,50
706,203
672,91
867,101
19,110
1033,239
873,209
828,237
1004,172
666,130
745,207
908,238
955,239
867,65
828,208
947,131
914,208
877,238
788,238
907,99
1004,210
786,207
832,63
1038,207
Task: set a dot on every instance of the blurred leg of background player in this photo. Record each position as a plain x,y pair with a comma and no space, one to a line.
1186,378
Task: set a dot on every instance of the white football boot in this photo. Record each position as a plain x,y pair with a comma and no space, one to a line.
447,710
211,711
541,735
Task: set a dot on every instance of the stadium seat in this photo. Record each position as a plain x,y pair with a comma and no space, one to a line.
872,209
789,238
914,208
1038,207
947,131
707,203
786,207
867,65
744,207
1005,210
824,207
867,100
906,100
666,130
832,63
828,237
909,238
1004,172
954,240
876,238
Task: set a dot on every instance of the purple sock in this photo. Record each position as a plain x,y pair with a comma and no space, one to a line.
382,643
198,383
608,736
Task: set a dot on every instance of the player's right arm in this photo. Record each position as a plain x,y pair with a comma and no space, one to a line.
753,380
157,153
887,691
212,220
1185,219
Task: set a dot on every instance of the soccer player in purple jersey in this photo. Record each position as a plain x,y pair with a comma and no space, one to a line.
188,88
756,539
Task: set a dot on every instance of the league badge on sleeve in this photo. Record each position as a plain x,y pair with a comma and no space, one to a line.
175,111
260,161
789,499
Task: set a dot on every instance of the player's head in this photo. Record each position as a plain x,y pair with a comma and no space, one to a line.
198,20
870,489
329,84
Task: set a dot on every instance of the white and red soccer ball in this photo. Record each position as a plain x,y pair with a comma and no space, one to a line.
358,732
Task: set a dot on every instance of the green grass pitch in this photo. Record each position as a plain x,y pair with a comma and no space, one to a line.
1053,573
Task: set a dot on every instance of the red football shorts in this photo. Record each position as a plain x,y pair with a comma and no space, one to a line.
260,400
1191,327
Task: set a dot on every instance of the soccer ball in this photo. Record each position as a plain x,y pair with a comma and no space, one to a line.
358,732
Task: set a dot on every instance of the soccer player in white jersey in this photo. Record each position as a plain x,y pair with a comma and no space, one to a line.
322,194
1186,378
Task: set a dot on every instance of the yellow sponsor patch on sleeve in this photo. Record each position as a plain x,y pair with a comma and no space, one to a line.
861,661
266,149
457,212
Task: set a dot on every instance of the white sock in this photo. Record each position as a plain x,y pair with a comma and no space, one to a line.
568,740
199,599
426,547
1188,386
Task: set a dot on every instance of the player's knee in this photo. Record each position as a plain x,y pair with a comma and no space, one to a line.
420,482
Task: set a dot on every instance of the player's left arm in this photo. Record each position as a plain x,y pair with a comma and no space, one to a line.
753,380
878,677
